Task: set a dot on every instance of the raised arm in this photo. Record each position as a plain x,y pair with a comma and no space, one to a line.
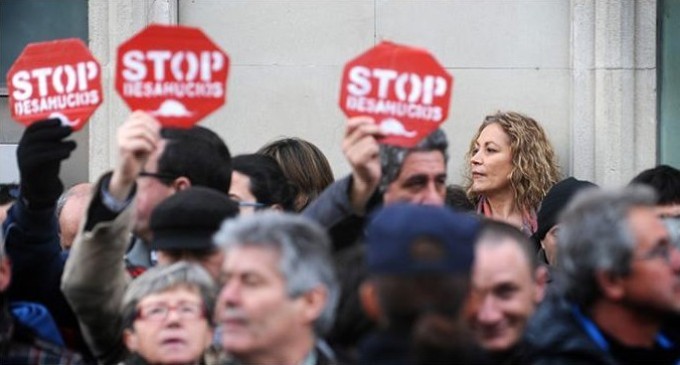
95,276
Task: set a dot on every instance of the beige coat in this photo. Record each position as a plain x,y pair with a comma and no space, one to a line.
95,279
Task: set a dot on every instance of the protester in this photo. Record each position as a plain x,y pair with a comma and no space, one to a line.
380,174
258,183
511,167
507,285
618,279
304,165
167,315
157,163
153,164
31,229
70,212
279,290
183,226
552,205
94,279
419,259
28,334
665,180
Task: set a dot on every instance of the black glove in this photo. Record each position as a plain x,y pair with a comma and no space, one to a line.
39,156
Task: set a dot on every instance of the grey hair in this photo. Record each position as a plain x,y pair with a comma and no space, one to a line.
2,245
74,191
62,201
304,249
595,235
160,279
392,157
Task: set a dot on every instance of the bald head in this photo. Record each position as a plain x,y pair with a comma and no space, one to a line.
71,210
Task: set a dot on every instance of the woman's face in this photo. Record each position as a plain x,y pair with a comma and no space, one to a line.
491,161
171,328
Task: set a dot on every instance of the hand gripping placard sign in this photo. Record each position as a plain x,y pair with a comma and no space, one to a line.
57,79
404,89
176,73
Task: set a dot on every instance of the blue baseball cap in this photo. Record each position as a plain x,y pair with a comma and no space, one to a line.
419,239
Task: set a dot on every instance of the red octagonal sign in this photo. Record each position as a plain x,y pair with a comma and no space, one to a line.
176,73
403,88
57,79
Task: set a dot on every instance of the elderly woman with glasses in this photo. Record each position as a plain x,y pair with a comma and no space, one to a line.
167,315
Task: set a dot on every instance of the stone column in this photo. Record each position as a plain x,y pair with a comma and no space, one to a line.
613,52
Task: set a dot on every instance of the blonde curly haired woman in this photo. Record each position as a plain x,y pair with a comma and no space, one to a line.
512,165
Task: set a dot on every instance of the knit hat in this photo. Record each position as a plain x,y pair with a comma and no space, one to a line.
555,201
407,239
188,219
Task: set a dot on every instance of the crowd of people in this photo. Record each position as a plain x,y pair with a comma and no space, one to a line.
183,254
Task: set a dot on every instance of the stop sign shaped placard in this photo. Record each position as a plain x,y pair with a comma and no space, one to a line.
403,88
56,79
176,73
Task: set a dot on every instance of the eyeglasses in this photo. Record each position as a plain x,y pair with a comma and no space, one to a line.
158,312
662,251
158,175
673,227
255,205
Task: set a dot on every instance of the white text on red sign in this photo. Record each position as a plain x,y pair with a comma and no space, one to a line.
174,74
415,93
59,88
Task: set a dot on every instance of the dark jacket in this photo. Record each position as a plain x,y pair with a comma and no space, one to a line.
387,348
555,336
322,356
95,276
333,210
32,244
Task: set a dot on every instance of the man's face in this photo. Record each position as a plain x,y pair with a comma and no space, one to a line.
150,192
422,180
254,311
504,295
654,281
179,338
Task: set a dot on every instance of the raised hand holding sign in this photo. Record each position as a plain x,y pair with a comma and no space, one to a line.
58,79
404,89
175,73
